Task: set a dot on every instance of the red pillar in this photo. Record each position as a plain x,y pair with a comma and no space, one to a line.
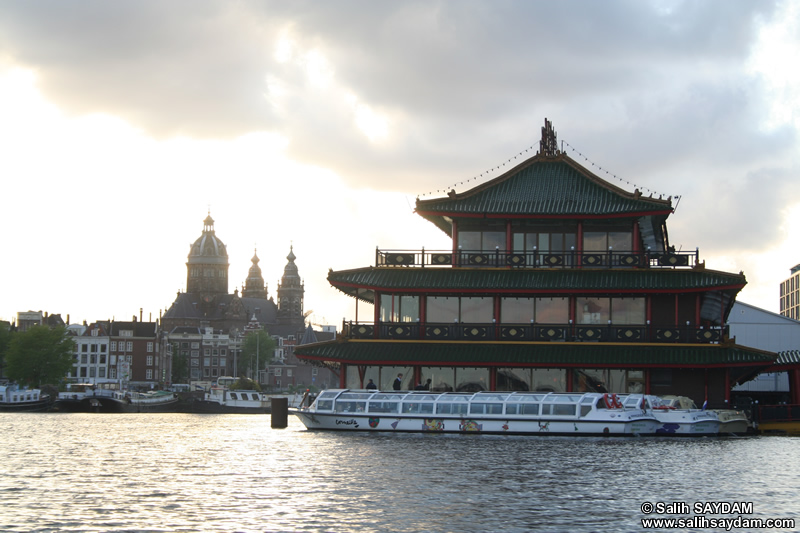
794,386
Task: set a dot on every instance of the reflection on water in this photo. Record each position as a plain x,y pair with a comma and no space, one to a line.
183,472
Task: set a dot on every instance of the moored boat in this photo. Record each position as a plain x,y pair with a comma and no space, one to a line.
223,400
87,398
674,417
13,398
524,413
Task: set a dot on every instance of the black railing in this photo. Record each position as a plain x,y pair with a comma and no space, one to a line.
535,332
536,259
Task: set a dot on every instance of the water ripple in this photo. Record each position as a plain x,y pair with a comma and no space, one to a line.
188,473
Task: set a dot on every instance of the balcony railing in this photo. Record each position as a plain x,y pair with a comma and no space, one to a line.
536,259
536,332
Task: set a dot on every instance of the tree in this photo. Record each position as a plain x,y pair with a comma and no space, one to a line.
5,341
180,365
40,355
258,350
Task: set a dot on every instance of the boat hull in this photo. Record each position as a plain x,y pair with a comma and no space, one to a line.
625,426
212,407
26,407
104,404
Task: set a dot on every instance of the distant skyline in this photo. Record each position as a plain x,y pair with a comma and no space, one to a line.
316,125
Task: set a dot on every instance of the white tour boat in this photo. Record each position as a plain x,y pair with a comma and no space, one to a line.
674,418
525,413
13,398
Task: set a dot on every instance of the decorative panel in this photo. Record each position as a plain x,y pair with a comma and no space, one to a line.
515,259
668,335
592,259
549,333
708,335
589,333
437,332
673,260
362,331
400,259
475,333
442,259
629,334
512,333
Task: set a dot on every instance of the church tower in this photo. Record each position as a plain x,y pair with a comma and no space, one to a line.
207,267
290,293
254,286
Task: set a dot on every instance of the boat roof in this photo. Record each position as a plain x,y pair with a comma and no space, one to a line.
483,396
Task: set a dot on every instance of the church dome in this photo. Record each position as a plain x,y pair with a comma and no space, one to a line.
208,249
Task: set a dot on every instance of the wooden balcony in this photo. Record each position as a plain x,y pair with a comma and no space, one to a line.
649,333
536,259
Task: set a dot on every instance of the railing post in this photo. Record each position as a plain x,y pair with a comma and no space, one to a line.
422,258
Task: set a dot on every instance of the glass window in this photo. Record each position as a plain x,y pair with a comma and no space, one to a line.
620,241
592,310
399,308
549,380
469,240
442,379
493,240
477,310
552,310
516,310
472,379
595,241
627,311
600,380
513,379
442,308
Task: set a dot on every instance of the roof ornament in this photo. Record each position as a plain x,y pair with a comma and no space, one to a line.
548,146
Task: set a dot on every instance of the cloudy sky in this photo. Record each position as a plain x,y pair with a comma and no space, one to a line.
317,124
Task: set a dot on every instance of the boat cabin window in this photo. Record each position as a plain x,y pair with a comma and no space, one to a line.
345,406
323,405
486,408
384,407
522,408
559,409
234,396
388,396
484,397
418,407
452,408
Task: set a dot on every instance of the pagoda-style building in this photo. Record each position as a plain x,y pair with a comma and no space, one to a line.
556,281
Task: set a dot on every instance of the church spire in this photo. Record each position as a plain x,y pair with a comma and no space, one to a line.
290,292
255,286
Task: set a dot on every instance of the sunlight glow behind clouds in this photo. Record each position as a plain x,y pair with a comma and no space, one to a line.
776,58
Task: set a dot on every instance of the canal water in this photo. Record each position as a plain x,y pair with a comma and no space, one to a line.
233,473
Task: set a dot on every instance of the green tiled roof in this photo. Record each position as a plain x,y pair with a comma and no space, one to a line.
551,354
544,186
563,281
789,358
